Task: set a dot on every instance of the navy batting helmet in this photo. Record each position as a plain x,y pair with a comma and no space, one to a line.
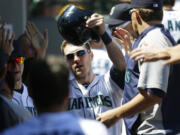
72,26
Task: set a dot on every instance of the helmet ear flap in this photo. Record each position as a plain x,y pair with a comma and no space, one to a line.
72,26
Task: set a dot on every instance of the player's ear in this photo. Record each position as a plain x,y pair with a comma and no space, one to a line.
138,17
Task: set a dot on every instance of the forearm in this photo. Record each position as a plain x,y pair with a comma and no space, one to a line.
116,56
174,51
140,103
173,54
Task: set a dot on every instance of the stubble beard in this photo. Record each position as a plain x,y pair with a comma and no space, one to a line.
82,76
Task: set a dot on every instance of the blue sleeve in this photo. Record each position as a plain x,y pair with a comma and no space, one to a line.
3,58
118,77
156,92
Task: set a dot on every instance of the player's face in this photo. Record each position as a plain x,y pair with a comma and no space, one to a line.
79,59
16,67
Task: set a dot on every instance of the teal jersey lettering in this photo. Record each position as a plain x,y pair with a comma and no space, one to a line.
127,76
90,102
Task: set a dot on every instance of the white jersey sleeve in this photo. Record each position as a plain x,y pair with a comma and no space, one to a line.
154,74
23,99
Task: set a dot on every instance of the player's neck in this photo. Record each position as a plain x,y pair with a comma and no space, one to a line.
18,85
145,25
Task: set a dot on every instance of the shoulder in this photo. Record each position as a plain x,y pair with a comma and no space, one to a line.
156,37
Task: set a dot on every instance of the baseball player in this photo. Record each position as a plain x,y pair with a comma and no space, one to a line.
91,95
51,78
10,114
151,89
15,68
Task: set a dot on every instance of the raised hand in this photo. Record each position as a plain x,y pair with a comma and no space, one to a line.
96,21
124,38
39,41
6,43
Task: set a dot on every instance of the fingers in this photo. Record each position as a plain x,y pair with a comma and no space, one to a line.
120,41
11,44
121,32
98,118
35,28
3,36
12,39
7,37
118,34
31,29
95,20
135,53
28,35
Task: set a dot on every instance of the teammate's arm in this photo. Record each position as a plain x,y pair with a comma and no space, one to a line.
139,103
174,53
153,53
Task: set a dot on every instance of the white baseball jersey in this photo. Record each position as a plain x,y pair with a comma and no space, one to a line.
24,100
171,21
101,62
58,124
101,95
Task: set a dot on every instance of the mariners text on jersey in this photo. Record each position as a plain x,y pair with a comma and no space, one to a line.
90,102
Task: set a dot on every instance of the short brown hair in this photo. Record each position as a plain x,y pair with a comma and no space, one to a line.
150,14
64,44
48,82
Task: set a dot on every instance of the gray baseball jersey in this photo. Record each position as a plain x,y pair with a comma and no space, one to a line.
24,100
101,95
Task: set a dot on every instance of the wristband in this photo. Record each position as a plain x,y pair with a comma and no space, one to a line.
106,38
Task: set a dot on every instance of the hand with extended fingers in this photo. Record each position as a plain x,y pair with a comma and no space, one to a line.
124,38
6,43
39,41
